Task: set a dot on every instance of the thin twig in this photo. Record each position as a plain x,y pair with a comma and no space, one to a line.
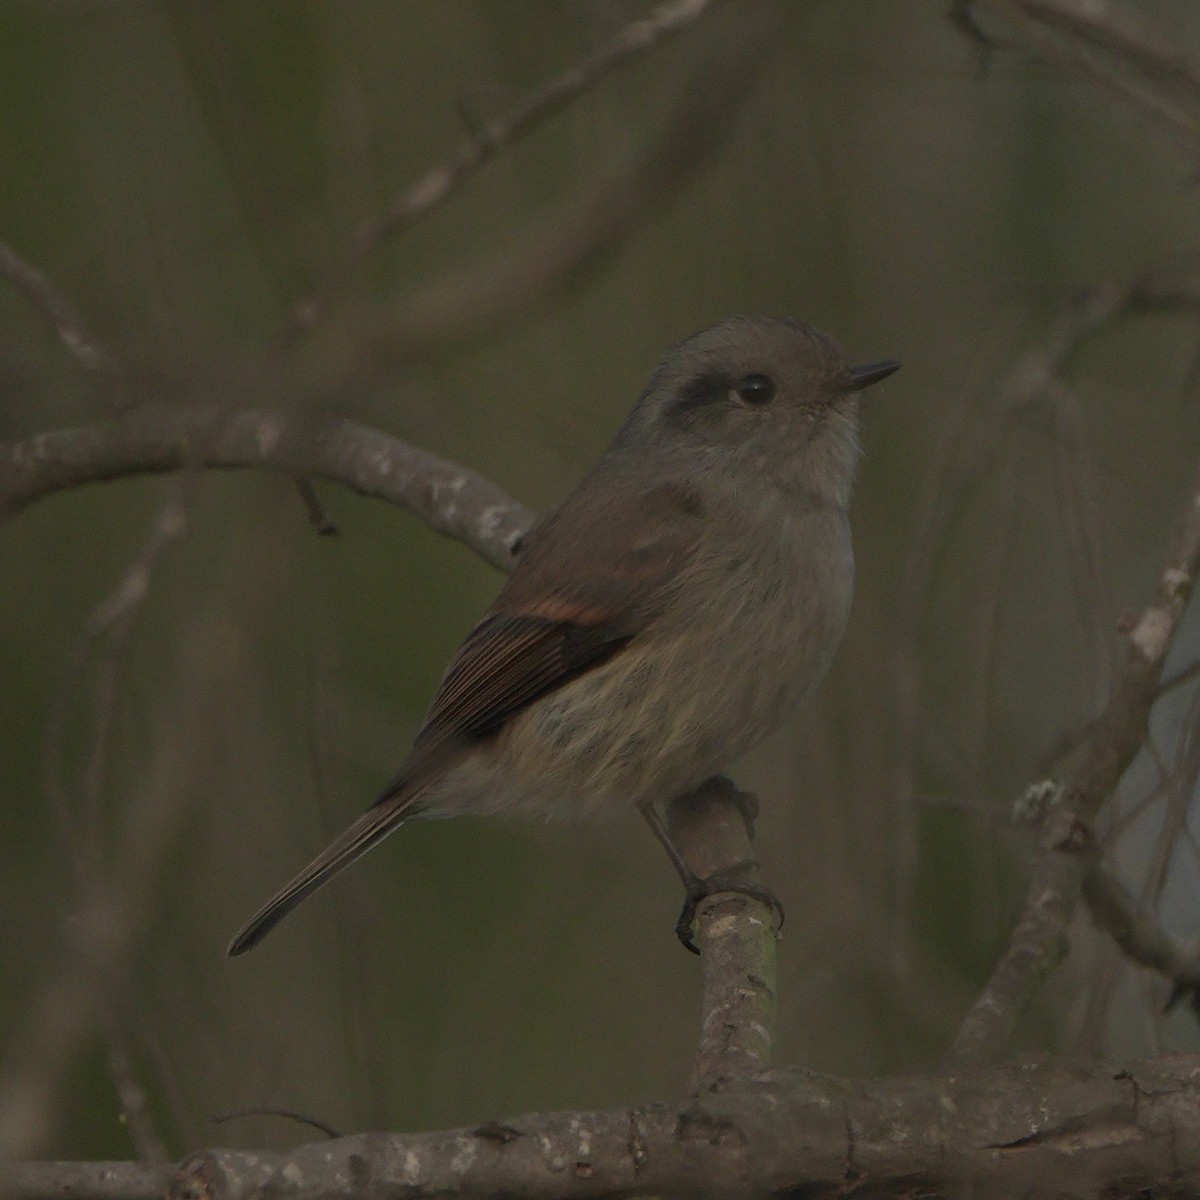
270,1110
1114,741
112,902
490,137
317,516
1115,46
1133,927
363,340
56,308
1181,677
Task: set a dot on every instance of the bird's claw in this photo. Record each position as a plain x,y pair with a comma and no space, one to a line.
700,889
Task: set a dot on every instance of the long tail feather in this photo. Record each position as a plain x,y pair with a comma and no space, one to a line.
370,829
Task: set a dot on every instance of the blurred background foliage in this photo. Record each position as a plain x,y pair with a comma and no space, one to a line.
186,171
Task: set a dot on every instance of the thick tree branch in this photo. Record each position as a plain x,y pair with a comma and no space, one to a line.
1015,1131
448,498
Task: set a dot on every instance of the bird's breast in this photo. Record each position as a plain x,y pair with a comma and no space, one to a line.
745,633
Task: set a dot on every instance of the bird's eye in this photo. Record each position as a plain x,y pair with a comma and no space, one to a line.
755,389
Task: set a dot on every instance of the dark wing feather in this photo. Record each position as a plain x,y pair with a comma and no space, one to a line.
591,578
507,663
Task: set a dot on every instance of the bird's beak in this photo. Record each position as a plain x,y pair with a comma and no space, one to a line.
861,377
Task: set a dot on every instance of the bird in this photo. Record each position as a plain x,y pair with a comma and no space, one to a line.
668,614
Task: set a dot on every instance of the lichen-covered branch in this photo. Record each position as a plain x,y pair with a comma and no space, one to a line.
449,498
1014,1131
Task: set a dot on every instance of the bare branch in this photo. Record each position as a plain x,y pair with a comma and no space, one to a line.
1112,743
1135,930
54,306
736,935
1182,677
360,340
1032,1131
1116,46
489,137
448,498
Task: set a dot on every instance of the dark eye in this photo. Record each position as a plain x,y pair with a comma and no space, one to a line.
755,389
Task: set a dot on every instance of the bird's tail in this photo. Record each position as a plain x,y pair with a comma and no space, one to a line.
386,815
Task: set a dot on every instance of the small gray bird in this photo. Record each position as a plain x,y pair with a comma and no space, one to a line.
682,600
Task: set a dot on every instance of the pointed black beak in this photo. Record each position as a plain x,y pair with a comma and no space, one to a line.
858,378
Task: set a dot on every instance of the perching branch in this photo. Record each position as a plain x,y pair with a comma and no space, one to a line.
448,498
735,934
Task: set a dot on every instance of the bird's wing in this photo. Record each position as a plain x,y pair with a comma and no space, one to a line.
590,579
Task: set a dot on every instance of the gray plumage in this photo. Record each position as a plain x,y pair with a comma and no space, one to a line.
679,603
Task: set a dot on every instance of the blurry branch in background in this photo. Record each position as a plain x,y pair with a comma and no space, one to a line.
448,498
1135,930
113,889
1032,392
1110,43
1123,50
360,339
488,137
58,310
1065,807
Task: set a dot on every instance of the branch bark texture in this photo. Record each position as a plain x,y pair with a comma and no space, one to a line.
447,497
735,934
1012,1131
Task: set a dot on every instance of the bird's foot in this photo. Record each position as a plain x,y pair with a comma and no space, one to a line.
723,881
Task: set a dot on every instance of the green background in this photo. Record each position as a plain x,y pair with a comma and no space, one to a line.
184,172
